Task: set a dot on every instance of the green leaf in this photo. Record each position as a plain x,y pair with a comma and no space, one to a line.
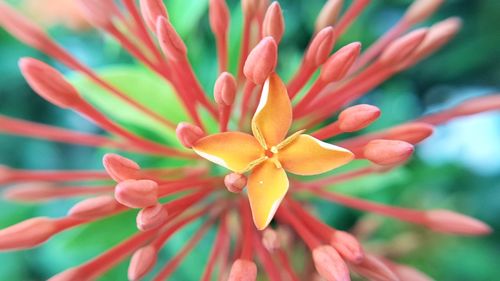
185,14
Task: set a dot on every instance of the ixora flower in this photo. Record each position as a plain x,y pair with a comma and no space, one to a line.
168,199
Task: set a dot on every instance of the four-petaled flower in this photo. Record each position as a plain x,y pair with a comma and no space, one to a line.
268,154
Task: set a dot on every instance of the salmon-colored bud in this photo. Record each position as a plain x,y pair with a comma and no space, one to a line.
170,42
188,134
358,117
329,14
478,105
337,66
403,47
225,89
120,168
274,23
438,35
420,10
388,152
261,61
348,246
374,269
137,193
235,182
151,217
411,132
49,83
321,46
451,222
243,270
30,192
329,264
27,234
270,239
142,262
219,16
98,12
409,273
94,207
151,10
249,7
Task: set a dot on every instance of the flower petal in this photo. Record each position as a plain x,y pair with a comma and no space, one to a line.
273,116
233,150
267,186
307,155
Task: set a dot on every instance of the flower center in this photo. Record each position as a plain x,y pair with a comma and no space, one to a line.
271,151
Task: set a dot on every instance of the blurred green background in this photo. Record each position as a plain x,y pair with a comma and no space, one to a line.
458,168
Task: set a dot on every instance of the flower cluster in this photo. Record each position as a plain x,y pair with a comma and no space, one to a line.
255,111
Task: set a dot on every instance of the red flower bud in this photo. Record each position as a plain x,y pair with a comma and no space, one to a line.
261,61
225,89
451,222
170,42
321,47
337,66
120,168
151,217
329,264
235,182
358,117
142,262
387,152
137,193
243,270
274,24
188,134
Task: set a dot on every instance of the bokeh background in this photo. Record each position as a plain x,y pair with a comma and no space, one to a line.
458,168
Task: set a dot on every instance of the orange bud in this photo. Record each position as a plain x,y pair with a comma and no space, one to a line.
137,193
142,262
243,270
170,42
261,61
49,83
348,246
374,269
387,152
151,217
329,264
274,24
94,207
358,117
120,168
235,182
337,66
402,47
329,14
151,10
27,234
420,10
225,89
451,222
320,47
219,16
270,239
188,134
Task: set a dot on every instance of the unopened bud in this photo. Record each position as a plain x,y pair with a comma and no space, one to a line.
374,269
329,14
27,234
409,273
412,132
329,264
170,42
120,168
358,117
478,105
98,12
142,262
420,10
270,239
438,35
94,207
29,192
451,222
235,182
274,24
137,193
151,217
348,246
337,66
321,47
261,61
388,152
151,10
225,89
243,270
49,83
402,47
188,134
219,16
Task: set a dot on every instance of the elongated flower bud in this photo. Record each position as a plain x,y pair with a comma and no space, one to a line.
219,16
152,217
142,262
188,134
321,47
261,61
451,222
388,152
374,269
235,182
358,117
270,239
348,246
27,234
137,193
478,105
120,168
329,264
409,273
274,23
411,132
243,270
30,192
49,83
151,10
225,89
403,47
337,66
98,12
329,14
170,42
438,35
420,10
94,207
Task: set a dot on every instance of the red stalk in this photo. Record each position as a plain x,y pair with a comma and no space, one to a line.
267,261
221,237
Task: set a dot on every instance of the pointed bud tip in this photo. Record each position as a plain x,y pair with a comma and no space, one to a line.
373,268
170,42
339,64
243,270
235,182
151,10
137,193
420,10
320,47
225,89
270,239
219,17
329,14
358,117
348,246
120,168
261,61
188,134
455,223
142,262
152,217
329,264
274,23
403,47
94,207
388,152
